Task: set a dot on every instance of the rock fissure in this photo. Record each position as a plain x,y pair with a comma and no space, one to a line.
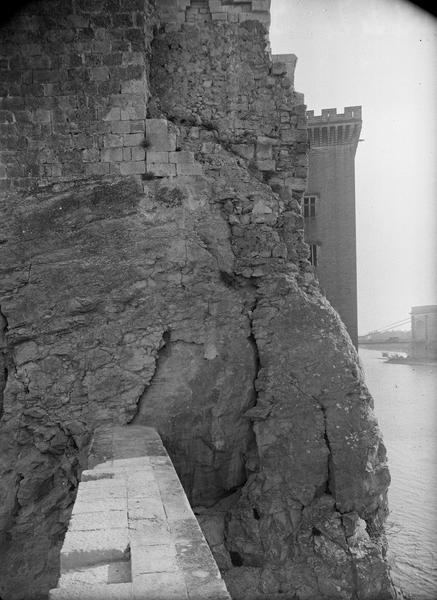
252,458
353,565
5,539
329,486
330,481
4,359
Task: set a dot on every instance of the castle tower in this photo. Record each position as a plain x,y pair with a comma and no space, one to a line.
329,207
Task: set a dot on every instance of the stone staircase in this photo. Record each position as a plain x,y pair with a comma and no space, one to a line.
132,533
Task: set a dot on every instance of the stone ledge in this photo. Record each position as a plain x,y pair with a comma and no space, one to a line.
132,534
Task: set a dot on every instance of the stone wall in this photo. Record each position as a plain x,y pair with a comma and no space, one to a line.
73,90
231,97
175,13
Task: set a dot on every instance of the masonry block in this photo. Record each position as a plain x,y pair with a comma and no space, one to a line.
195,554
120,591
279,68
158,137
124,464
262,5
97,506
161,169
266,165
96,575
91,155
201,586
121,127
138,126
112,155
176,510
261,17
264,149
143,487
157,157
153,559
99,73
181,157
82,550
160,586
187,169
113,114
42,116
102,489
133,139
149,532
138,153
156,128
133,86
219,16
97,168
132,168
112,140
132,113
152,509
112,519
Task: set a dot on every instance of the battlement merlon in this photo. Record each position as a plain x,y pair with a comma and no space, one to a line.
330,115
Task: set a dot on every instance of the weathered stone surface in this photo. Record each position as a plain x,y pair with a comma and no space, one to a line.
185,301
123,549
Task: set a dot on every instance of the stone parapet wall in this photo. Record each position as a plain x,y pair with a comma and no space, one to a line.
175,13
132,533
73,90
332,129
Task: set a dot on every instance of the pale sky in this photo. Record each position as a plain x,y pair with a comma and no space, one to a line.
381,54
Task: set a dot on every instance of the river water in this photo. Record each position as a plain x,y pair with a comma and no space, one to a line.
406,407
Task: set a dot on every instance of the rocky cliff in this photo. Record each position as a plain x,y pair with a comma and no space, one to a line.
153,271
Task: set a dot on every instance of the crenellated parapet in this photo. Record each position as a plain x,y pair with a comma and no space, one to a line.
332,128
175,13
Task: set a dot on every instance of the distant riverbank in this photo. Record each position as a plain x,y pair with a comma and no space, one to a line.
387,346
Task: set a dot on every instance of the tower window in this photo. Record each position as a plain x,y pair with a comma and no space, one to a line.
313,255
309,206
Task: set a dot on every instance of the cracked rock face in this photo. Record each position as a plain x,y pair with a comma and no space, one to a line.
187,303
